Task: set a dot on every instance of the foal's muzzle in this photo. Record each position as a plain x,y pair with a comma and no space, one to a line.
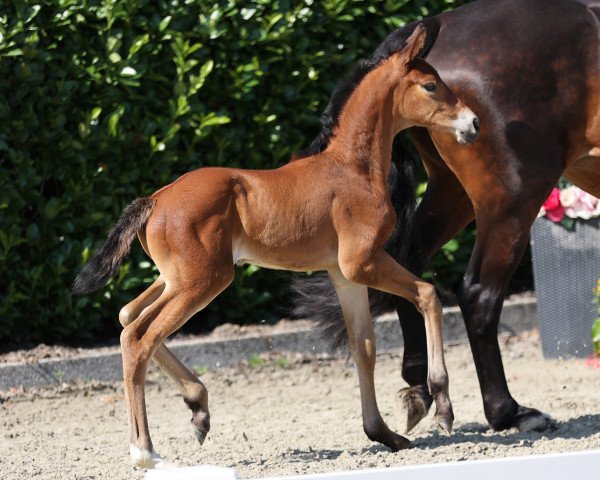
467,127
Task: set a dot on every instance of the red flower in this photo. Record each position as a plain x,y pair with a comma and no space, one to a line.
554,210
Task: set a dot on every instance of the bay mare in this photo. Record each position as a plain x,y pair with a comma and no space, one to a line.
530,69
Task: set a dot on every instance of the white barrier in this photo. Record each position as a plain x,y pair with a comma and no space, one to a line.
565,466
198,472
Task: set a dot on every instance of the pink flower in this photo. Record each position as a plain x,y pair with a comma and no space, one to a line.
592,361
584,206
569,197
590,204
554,210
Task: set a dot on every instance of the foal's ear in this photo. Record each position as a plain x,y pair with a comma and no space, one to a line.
415,42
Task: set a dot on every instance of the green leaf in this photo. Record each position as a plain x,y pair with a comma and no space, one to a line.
95,113
15,52
596,336
33,233
52,208
113,122
596,331
164,23
31,13
451,246
215,120
206,68
247,13
138,43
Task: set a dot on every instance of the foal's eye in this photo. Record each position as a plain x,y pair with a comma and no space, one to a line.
430,87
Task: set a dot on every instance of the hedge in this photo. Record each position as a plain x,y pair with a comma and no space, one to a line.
105,101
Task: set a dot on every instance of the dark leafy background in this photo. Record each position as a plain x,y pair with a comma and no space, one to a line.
105,101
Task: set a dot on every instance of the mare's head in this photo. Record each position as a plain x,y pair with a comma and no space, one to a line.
423,99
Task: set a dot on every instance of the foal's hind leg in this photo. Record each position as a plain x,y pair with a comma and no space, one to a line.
140,340
192,389
195,394
355,306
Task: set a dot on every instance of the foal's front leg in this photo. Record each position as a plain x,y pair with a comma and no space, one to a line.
395,279
355,307
379,270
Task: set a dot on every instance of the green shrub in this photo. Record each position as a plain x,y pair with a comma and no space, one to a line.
105,101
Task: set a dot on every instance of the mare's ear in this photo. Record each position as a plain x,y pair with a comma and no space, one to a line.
415,42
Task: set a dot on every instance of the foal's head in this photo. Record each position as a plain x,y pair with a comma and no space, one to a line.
423,99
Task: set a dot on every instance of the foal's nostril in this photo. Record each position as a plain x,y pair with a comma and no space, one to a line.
476,124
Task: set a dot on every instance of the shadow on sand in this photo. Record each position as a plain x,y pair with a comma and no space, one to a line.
572,429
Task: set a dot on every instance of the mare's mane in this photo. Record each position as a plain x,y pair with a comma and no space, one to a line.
395,42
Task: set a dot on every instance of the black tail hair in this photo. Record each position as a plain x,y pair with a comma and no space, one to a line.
315,297
106,262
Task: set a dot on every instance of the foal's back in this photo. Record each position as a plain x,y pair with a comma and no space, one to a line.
279,218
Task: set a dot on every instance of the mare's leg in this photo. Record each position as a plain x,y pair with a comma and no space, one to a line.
507,176
355,307
192,389
377,269
141,339
500,244
444,210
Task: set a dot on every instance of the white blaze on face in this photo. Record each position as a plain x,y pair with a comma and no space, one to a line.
466,126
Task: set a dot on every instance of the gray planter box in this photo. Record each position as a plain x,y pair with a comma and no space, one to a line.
566,269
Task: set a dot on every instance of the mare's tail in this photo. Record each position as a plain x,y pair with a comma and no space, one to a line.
314,295
106,262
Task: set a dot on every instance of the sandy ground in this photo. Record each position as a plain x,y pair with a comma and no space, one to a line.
282,416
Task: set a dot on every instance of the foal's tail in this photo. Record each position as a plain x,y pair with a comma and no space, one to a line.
106,262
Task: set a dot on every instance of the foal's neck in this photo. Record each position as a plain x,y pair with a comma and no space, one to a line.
368,124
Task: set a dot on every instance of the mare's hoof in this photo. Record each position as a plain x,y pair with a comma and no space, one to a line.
412,407
532,420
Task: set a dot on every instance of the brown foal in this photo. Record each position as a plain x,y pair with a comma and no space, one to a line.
330,211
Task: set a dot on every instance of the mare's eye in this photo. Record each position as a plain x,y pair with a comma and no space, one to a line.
430,87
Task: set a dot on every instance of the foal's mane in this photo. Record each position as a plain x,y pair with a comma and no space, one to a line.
395,42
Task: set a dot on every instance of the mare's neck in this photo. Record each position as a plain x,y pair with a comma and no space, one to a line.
368,124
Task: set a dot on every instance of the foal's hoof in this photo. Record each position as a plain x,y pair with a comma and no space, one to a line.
398,442
200,436
444,424
412,406
201,423
532,420
382,434
147,459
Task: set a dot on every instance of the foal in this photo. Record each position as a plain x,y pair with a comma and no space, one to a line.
327,212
